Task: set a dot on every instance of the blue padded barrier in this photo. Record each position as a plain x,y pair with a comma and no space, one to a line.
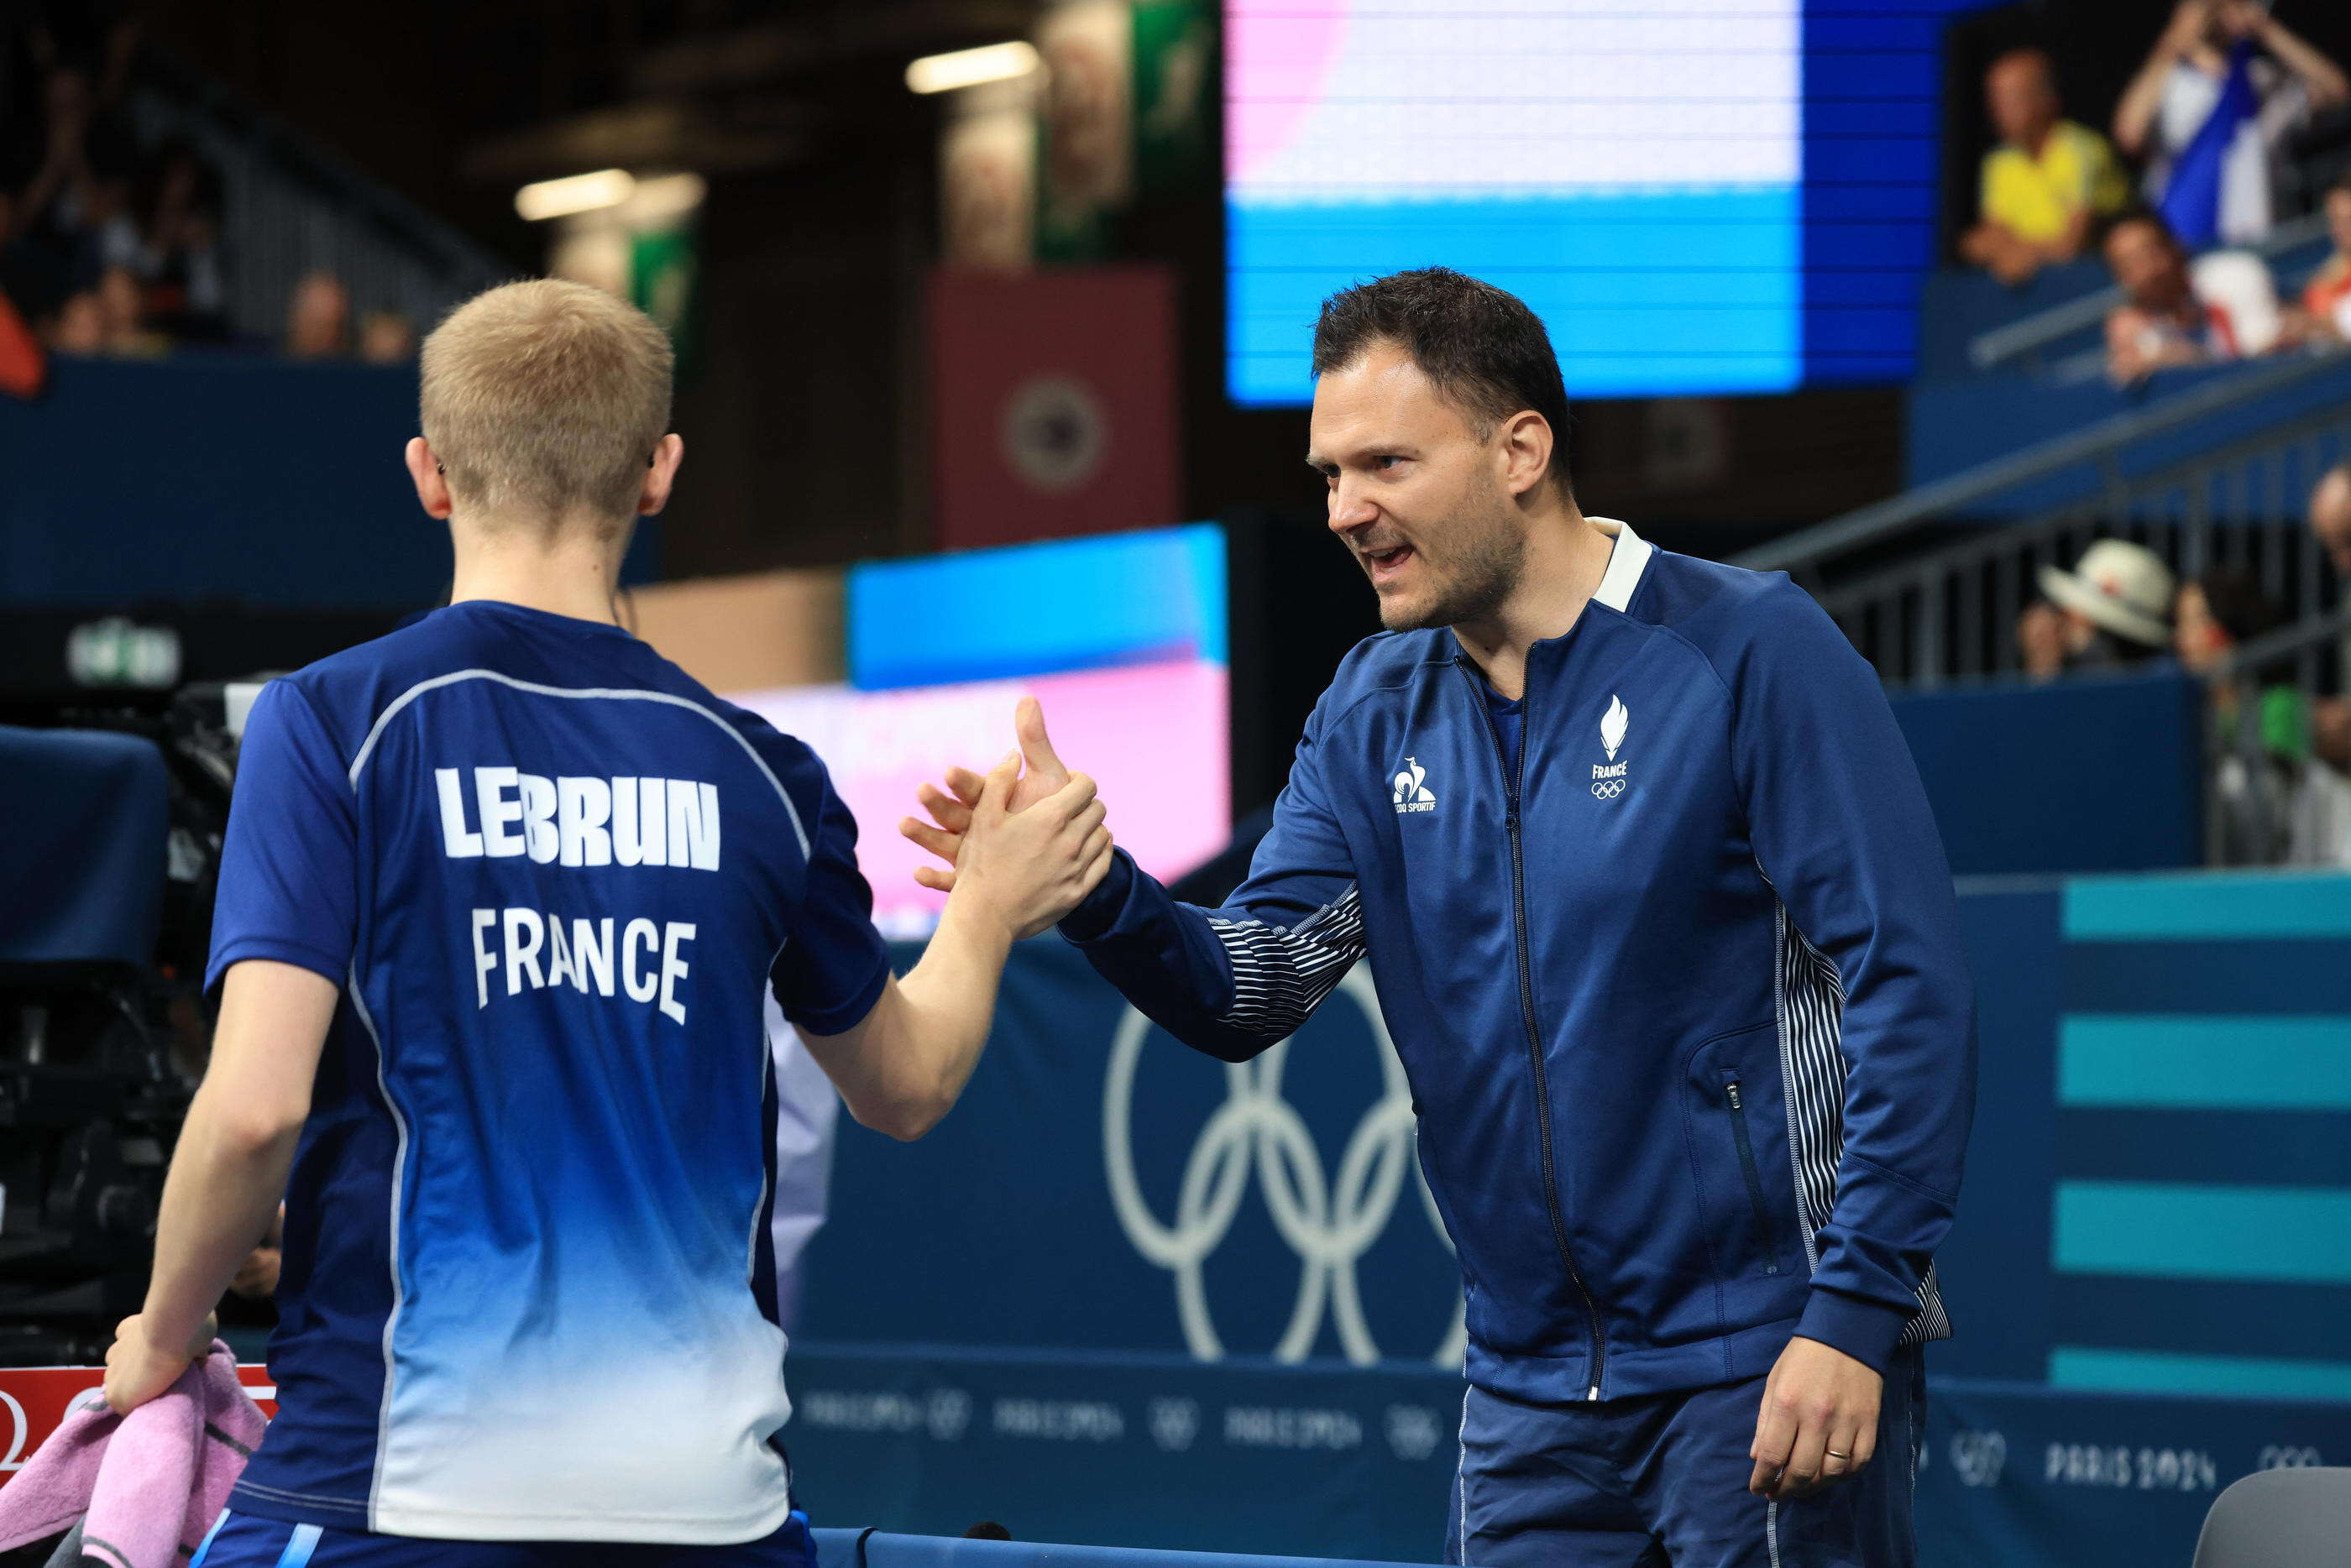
876,1549
325,517
2087,775
81,861
1955,425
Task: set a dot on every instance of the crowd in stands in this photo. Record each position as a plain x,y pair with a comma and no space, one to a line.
2206,118
2282,768
113,246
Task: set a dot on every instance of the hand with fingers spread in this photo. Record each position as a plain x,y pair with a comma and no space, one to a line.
951,808
1027,869
1819,1421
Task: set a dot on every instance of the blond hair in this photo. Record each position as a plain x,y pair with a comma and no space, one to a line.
544,399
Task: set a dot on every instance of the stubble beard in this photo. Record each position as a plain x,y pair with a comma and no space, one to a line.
1477,576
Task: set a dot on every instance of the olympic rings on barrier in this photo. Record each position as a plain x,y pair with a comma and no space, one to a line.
1330,1227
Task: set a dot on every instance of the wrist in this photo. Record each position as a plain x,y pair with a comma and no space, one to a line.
972,917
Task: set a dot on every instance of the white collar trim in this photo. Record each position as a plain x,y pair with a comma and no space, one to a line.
1626,562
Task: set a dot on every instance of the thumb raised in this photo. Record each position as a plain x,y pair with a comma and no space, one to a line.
1036,746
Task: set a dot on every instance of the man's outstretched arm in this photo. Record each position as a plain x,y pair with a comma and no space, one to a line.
902,1067
1230,981
229,1171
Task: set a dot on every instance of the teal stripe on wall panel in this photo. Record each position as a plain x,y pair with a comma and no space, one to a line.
2158,1372
2297,1234
2205,1061
2209,904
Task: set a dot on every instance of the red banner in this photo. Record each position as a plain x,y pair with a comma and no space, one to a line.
1053,404
34,1401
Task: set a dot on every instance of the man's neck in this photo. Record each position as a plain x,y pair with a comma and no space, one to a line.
575,572
2035,143
1566,558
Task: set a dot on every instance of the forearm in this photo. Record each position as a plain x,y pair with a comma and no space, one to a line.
902,1066
2320,77
1164,957
945,1006
219,1200
2135,115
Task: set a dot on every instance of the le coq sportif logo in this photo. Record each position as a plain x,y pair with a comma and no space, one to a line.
1412,792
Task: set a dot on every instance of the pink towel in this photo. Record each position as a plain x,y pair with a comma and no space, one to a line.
146,1486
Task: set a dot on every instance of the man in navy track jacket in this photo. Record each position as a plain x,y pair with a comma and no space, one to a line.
1665,936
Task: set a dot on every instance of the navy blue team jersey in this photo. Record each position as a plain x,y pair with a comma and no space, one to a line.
527,1293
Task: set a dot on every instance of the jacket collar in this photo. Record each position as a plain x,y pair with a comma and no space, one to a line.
1627,559
1626,562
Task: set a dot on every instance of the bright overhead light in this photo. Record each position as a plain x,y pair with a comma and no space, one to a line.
969,67
577,193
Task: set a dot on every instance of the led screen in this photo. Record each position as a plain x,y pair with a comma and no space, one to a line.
1153,736
1696,195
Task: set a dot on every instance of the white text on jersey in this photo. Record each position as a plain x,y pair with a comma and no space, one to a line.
586,821
649,964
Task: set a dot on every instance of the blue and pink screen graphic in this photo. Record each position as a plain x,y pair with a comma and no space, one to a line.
1696,195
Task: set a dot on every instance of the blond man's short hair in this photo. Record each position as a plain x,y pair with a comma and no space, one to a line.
544,401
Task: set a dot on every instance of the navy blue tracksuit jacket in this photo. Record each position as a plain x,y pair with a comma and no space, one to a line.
1681,998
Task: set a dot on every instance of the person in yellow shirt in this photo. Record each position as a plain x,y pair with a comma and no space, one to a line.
2048,181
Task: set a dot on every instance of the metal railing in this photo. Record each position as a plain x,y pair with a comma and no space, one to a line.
292,207
2026,339
2255,812
1950,612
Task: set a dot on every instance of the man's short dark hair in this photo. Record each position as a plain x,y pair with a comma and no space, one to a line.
1482,349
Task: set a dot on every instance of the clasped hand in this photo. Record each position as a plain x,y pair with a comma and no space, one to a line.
1036,864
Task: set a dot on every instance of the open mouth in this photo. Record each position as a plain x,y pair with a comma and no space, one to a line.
1386,562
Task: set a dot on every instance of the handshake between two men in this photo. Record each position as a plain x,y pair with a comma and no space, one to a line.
1032,776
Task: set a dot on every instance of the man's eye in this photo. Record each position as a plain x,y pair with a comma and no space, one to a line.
1385,461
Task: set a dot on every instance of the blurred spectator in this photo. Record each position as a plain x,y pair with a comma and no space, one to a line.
387,337
180,252
23,369
2220,307
2219,93
2275,802
2112,612
318,317
122,307
67,220
2047,181
2329,513
2218,612
2330,520
2330,732
2327,298
79,325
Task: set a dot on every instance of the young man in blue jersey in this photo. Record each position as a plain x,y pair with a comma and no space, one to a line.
501,894
1665,939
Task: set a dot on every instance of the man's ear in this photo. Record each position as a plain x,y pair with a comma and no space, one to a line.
660,475
432,484
1526,451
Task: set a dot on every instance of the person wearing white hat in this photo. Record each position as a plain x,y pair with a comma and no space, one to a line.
2111,611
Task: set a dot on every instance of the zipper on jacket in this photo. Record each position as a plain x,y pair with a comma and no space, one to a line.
1754,1181
1510,780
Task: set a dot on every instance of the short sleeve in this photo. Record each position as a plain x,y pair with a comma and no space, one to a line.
289,867
835,962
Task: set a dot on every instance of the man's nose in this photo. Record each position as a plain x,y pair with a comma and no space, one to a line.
1350,509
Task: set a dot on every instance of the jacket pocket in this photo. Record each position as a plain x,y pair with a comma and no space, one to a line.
1735,1107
